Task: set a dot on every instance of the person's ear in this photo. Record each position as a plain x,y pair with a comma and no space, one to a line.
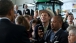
10,12
11,15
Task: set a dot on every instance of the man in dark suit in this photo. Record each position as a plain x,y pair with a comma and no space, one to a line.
32,12
56,34
9,32
26,10
16,10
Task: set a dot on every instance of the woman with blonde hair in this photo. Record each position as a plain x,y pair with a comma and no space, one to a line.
20,20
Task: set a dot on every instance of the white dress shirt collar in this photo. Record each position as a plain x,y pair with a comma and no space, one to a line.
4,18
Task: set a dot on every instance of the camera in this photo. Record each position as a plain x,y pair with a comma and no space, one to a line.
41,28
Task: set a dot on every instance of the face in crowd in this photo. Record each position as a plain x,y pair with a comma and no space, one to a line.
44,17
25,6
71,37
70,18
56,23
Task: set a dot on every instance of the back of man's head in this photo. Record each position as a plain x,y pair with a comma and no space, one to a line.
5,7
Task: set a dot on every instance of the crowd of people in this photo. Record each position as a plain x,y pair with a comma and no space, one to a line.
43,27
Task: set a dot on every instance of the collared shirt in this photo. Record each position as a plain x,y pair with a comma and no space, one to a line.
71,24
52,35
25,9
45,28
4,18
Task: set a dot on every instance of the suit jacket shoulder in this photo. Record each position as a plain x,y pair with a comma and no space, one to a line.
12,33
21,33
26,12
61,36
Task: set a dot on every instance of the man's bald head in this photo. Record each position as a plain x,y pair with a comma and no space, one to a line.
56,23
59,18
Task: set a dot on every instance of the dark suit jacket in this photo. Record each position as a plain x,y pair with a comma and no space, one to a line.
32,12
26,12
11,33
61,36
19,12
36,32
65,25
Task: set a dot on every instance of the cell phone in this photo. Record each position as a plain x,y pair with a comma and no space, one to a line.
41,28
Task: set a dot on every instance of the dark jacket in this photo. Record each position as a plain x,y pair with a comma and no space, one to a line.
61,36
26,12
11,33
65,25
19,11
36,33
32,12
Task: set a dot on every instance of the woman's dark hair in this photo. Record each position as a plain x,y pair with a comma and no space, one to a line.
23,5
37,21
5,7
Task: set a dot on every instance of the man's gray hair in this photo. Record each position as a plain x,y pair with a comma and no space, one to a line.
73,28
